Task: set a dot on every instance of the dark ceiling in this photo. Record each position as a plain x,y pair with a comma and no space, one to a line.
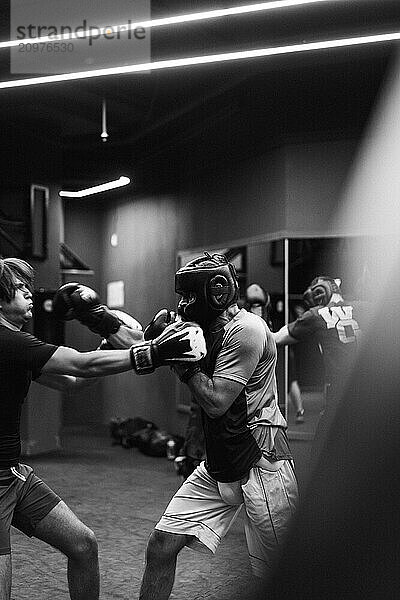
210,111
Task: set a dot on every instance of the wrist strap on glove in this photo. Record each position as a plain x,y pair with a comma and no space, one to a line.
141,359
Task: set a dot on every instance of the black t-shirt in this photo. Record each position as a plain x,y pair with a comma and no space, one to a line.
337,328
22,356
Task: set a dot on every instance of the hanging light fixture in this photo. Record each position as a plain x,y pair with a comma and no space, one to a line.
104,134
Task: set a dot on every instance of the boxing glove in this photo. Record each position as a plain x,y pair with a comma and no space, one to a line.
130,332
180,342
76,301
160,321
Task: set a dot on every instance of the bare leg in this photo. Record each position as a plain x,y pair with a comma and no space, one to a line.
62,529
161,554
295,396
5,576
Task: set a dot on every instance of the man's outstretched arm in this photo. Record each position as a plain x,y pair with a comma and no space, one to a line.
98,363
283,337
178,342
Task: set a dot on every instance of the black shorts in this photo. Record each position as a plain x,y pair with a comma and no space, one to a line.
24,501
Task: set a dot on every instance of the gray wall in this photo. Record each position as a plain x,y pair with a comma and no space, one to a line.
236,201
260,270
148,229
83,233
315,176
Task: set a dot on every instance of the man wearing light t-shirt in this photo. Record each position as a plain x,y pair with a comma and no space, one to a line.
248,459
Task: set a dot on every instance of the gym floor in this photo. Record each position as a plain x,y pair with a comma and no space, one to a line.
120,494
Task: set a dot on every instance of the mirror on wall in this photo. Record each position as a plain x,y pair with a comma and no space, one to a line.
337,257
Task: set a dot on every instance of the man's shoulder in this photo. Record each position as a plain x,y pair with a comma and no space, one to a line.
353,307
18,336
311,315
359,310
307,324
6,332
246,324
357,305
12,342
245,319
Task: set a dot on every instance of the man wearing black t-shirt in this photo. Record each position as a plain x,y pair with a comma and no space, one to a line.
248,460
26,502
336,325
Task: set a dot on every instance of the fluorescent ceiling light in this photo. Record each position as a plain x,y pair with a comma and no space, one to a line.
189,18
207,59
96,189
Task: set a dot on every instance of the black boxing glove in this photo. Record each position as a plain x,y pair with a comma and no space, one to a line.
159,322
130,331
180,342
76,301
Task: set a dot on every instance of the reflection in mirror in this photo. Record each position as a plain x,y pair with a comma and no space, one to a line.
265,267
308,258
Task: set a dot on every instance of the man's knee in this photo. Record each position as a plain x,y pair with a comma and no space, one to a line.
163,546
86,547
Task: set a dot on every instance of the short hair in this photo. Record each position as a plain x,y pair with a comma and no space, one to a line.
10,270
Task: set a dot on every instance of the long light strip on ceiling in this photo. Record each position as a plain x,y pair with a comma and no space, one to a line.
189,18
96,189
207,59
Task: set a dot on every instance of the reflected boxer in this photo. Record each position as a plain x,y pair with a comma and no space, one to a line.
293,373
335,323
258,302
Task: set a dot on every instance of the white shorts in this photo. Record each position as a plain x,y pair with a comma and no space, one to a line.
269,497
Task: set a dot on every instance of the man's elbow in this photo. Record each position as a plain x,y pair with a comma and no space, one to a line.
278,337
283,337
88,372
82,367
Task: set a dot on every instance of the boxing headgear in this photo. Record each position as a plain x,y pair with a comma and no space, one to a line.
320,291
257,296
208,285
